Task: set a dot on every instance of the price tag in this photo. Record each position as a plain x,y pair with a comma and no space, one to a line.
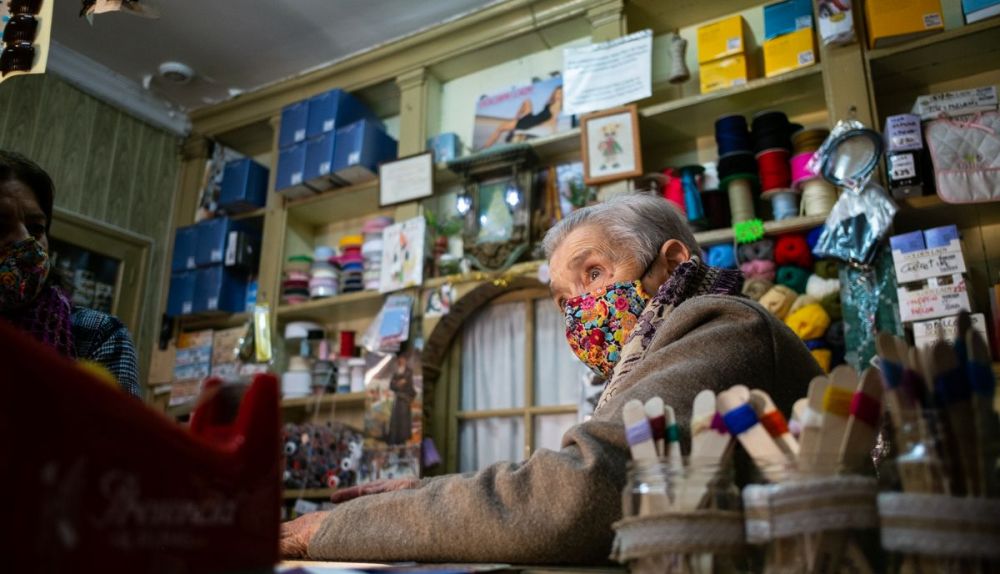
328,126
902,166
806,58
353,158
324,168
300,135
297,178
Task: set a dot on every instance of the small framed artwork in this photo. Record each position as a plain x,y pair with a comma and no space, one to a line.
610,144
406,179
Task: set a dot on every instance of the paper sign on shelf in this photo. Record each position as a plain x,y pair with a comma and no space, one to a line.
933,302
960,102
926,333
609,74
927,263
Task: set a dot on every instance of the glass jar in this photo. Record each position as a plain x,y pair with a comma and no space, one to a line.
681,520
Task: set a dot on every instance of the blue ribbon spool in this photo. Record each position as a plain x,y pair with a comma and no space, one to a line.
732,134
785,205
692,194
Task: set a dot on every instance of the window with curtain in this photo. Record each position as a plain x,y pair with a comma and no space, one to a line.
520,384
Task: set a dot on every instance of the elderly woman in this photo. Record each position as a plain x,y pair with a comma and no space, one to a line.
673,327
29,297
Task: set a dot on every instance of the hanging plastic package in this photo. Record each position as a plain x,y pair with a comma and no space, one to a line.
836,22
862,216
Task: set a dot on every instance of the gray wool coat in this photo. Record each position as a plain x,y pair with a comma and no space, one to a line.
558,507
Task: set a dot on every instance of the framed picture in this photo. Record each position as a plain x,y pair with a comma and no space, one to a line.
406,179
520,114
403,255
610,144
104,267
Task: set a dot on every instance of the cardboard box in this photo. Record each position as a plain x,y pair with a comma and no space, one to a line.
789,52
926,333
360,148
218,288
786,17
185,240
332,110
934,301
225,344
294,120
727,37
918,256
180,300
895,21
318,172
211,240
290,180
244,186
976,10
724,73
445,147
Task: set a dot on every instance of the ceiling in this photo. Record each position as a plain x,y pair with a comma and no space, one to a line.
241,45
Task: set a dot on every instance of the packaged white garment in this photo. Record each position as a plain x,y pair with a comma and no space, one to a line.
836,22
966,157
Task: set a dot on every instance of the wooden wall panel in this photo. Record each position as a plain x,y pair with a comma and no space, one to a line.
104,163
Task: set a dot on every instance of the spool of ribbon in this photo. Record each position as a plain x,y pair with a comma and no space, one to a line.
784,204
808,140
758,268
692,193
818,197
739,191
716,206
732,134
793,277
760,249
774,169
673,189
722,255
755,288
778,300
792,249
809,322
800,171
770,129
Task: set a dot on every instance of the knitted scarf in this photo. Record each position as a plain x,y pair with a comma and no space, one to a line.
692,278
49,318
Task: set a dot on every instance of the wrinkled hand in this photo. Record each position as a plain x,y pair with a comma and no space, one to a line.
296,534
345,494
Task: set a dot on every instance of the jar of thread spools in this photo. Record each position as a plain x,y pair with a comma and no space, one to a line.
681,519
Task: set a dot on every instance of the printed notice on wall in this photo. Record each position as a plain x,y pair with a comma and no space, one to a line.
614,73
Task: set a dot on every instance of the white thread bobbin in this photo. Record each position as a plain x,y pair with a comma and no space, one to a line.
740,200
818,197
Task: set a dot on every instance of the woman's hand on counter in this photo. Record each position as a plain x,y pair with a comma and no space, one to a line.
377,487
296,534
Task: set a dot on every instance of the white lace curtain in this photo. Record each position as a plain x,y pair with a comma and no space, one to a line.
493,358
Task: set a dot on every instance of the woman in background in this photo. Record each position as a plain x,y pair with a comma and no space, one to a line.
29,297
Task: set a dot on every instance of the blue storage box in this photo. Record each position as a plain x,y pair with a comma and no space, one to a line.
976,10
244,186
294,119
219,289
786,17
211,246
290,181
360,148
180,301
317,173
185,240
332,110
445,147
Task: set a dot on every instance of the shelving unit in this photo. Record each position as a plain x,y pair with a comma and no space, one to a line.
314,402
333,309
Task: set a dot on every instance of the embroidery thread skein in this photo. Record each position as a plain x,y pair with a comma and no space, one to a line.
679,72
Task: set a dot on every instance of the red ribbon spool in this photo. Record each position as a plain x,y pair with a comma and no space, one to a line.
774,169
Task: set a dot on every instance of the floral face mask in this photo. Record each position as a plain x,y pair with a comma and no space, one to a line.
24,267
598,323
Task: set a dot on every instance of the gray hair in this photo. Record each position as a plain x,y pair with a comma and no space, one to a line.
635,224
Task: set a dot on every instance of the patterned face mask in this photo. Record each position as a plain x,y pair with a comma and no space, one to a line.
24,267
598,323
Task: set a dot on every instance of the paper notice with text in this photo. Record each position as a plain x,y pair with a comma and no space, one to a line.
613,73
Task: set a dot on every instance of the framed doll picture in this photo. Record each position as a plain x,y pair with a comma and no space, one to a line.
610,144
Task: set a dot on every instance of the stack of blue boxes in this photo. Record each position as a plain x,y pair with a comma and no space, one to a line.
211,266
331,139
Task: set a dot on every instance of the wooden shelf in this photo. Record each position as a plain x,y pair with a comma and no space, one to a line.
685,119
957,53
335,204
792,225
213,321
311,402
259,212
921,202
306,493
333,309
526,268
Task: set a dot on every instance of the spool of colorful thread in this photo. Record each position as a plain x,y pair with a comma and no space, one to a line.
732,135
740,196
808,140
818,197
673,189
722,255
692,194
774,170
771,129
784,204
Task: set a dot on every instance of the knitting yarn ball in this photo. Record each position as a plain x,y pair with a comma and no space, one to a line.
809,322
778,300
758,268
793,277
827,269
820,287
756,288
758,250
792,249
812,238
723,256
824,357
801,301
831,304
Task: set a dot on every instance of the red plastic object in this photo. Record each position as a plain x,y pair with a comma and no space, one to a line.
95,481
